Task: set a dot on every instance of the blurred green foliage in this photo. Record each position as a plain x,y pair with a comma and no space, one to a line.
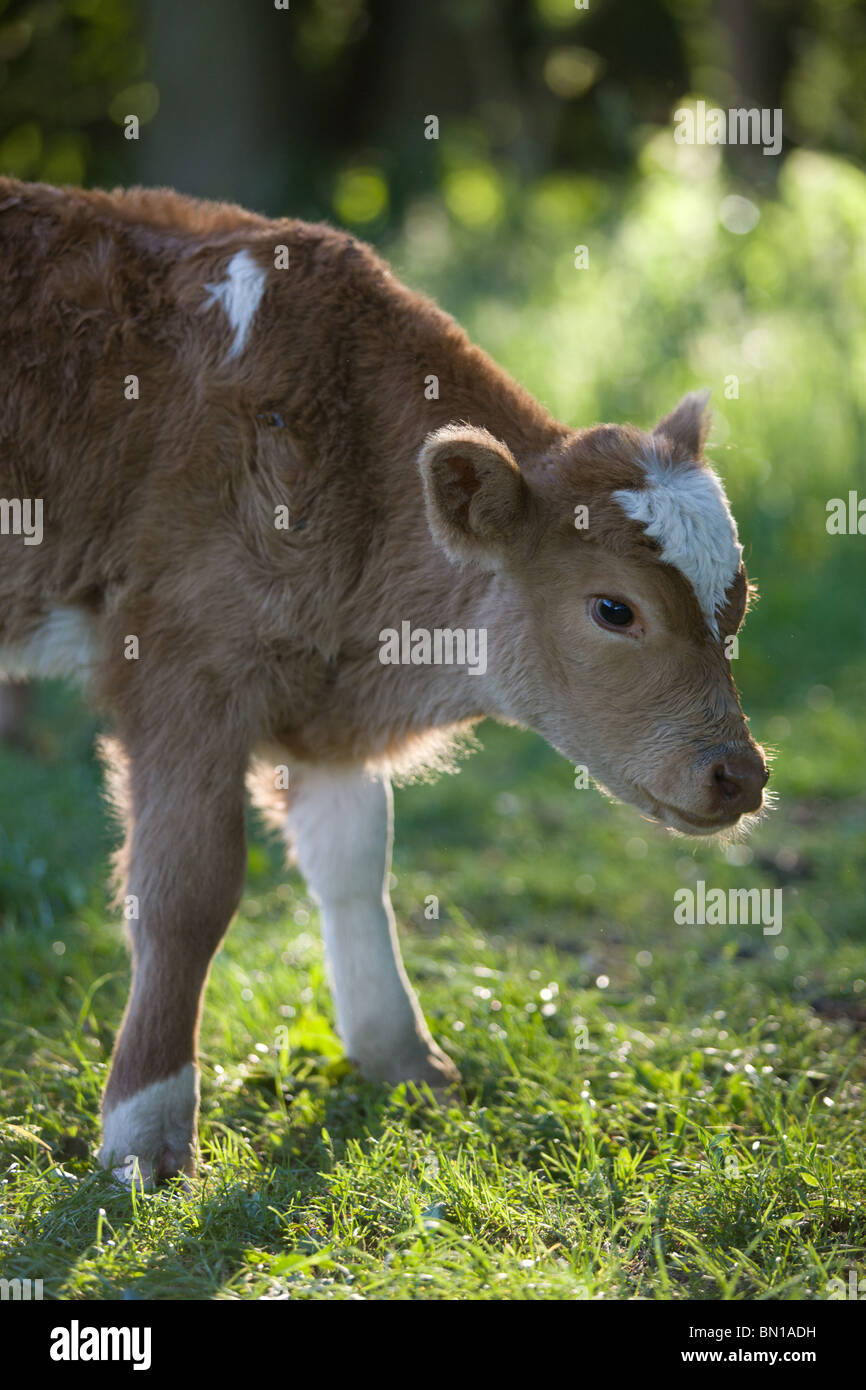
319,109
64,66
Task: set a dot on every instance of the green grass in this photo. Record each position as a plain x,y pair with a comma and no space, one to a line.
706,1141
648,1110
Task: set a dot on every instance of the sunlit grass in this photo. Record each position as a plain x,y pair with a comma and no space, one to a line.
648,1110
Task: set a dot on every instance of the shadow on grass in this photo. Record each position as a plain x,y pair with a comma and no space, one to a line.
194,1240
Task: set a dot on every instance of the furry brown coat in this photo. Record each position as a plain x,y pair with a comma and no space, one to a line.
255,455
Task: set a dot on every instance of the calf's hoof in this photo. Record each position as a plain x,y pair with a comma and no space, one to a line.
427,1065
146,1174
150,1136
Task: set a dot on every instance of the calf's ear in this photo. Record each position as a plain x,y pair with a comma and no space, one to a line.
687,426
476,496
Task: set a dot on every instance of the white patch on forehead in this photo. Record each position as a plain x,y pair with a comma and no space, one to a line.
684,509
239,294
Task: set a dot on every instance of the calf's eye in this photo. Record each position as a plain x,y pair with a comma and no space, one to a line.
609,612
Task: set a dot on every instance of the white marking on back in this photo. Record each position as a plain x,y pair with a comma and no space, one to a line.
64,644
685,509
239,294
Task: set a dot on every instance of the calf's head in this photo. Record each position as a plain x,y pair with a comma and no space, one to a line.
616,583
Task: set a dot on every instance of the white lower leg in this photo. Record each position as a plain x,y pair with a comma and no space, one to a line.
342,825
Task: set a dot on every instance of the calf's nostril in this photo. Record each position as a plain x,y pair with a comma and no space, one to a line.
739,780
728,786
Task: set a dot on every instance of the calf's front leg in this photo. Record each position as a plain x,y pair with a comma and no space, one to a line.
341,821
186,852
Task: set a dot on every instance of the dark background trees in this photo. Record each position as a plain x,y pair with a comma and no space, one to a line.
279,108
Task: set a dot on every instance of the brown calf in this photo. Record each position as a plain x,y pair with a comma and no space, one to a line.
237,504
